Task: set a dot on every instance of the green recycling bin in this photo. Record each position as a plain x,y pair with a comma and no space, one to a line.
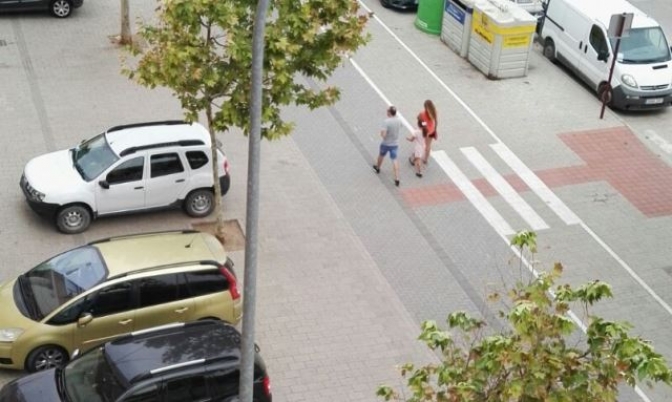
430,16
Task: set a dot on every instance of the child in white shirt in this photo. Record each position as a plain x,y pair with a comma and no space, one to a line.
417,137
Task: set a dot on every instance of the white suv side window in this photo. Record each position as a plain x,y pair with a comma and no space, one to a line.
131,170
165,164
197,159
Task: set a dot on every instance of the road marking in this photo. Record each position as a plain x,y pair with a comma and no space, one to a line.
379,92
504,189
658,140
535,184
525,173
473,195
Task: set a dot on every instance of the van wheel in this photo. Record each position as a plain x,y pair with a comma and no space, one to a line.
46,357
199,203
605,93
73,219
549,50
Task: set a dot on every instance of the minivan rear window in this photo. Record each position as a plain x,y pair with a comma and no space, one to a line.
161,289
206,282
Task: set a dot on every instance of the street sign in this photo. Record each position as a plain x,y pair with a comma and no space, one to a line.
619,25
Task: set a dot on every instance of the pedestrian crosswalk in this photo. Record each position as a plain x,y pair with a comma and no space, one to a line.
535,184
474,196
503,188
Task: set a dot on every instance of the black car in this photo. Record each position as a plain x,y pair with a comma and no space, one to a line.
197,361
400,4
59,8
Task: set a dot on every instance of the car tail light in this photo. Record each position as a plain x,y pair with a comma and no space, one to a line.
226,166
233,283
267,385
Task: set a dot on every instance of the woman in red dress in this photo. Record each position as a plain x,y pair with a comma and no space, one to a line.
428,115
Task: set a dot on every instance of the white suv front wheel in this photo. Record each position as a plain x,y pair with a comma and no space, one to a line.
199,203
73,219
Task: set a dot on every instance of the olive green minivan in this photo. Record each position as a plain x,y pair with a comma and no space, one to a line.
108,288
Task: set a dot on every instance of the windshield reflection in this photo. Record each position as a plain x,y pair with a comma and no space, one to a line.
56,281
91,379
93,157
643,46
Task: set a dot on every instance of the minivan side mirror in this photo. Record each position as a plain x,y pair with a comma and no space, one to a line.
84,319
104,184
603,56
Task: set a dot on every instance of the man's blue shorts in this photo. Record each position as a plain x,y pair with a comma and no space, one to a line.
392,149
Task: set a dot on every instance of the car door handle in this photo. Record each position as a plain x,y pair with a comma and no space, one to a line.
126,321
181,310
179,181
138,188
580,45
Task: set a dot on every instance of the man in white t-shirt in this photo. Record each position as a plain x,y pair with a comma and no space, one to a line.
390,135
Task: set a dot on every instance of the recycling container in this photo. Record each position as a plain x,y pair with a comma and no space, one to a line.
429,16
456,25
501,39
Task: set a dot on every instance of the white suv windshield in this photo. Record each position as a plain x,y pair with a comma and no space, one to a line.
61,278
92,157
643,46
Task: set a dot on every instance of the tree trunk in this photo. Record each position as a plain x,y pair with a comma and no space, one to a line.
219,229
126,37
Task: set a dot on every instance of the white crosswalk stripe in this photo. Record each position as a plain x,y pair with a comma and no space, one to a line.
535,184
504,189
473,195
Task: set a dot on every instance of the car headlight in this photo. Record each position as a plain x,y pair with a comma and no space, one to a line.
629,80
34,194
10,334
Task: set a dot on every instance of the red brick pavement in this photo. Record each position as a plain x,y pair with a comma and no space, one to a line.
613,155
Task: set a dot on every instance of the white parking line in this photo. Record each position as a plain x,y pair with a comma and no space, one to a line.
473,195
504,189
535,184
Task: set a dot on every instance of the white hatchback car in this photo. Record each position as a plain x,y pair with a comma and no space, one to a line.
135,167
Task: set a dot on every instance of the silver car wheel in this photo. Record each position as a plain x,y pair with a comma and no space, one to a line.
61,8
73,219
49,358
199,203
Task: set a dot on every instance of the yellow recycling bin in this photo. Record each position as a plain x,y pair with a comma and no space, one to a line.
501,39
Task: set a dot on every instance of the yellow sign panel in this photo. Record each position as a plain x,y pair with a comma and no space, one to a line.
486,28
517,41
481,27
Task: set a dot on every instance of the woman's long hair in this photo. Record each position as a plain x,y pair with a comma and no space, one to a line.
431,110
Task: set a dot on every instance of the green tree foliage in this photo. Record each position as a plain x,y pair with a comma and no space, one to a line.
202,51
533,360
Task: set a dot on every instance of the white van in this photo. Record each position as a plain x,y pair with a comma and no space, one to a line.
574,32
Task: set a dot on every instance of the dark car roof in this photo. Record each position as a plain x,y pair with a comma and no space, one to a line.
140,353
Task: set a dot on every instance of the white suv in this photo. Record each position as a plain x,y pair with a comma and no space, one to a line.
135,167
